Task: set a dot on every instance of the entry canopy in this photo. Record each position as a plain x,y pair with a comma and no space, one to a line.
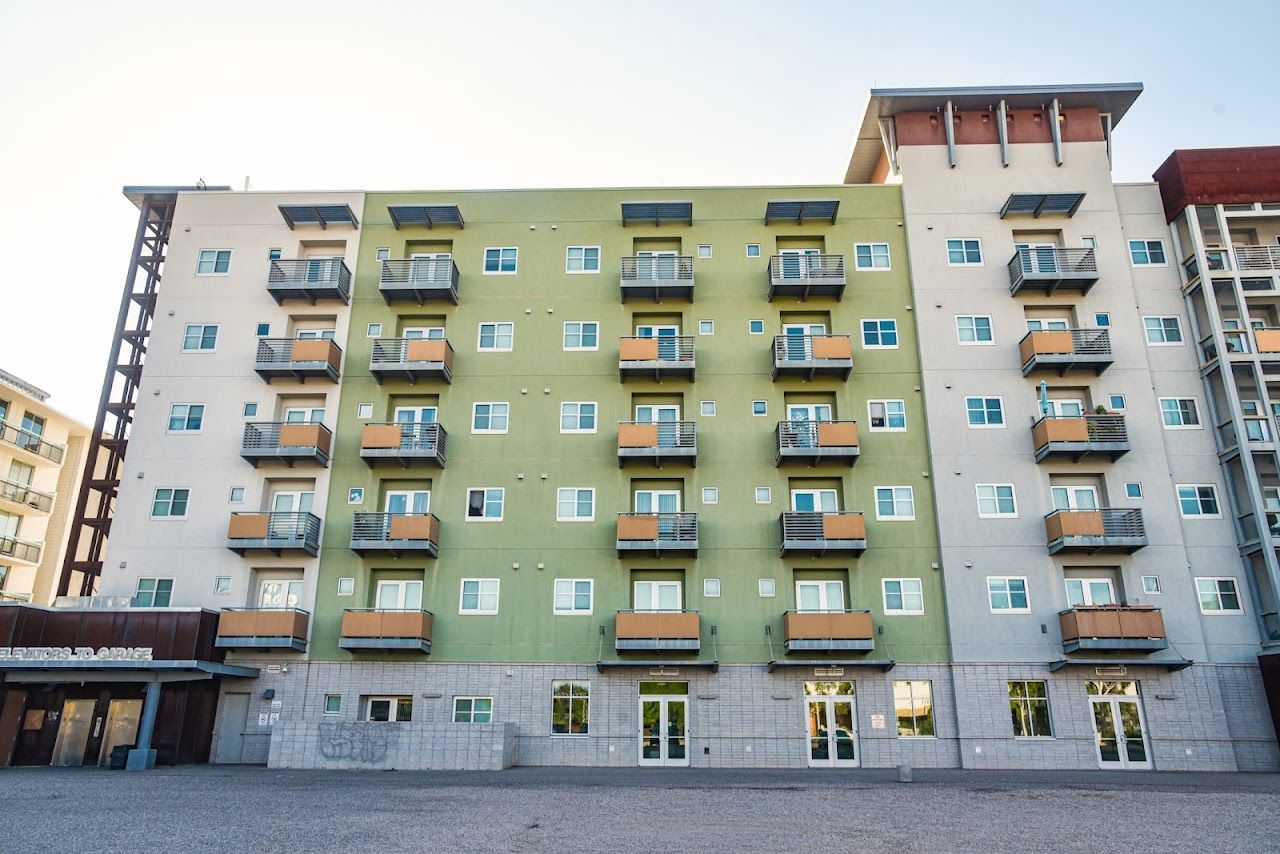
321,215
1168,664
657,212
428,215
1041,204
801,210
885,664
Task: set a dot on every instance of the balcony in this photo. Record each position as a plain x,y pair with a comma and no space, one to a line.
1064,350
373,628
1250,258
657,277
822,533
804,276
412,359
274,532
1266,340
657,533
815,442
659,358
263,628
1048,269
828,631
33,443
418,280
658,631
809,356
286,442
23,550
1076,437
658,443
404,444
309,279
1113,628
396,534
1090,531
24,496
300,359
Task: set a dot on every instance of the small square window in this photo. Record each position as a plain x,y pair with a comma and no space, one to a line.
768,588
250,410
346,586
373,330
382,254
704,250
706,327
275,254
753,250
332,704
355,495
764,495
708,407
755,327
1102,320
1151,585
1133,490
1116,403
222,585
711,588
759,407
237,494
364,411
710,495
264,329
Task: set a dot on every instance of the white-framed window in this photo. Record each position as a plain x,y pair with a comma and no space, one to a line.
759,407
1162,329
355,495
1102,320
974,329
1133,490
764,495
706,327
398,595
707,408
1089,591
213,262
996,501
880,334
1029,707
1147,253
200,338
570,708
572,596
895,503
186,418
753,250
169,502
1218,596
1007,594
1199,500
262,330
153,593
964,252
1179,413
581,335
704,250
575,504
755,327
767,588
236,495
711,588
346,586
888,416
710,495
473,710
382,253
984,412
478,596
388,709
489,417
222,585
500,261
903,596
871,256
332,704
495,337
276,254
820,595
913,708
651,596
1151,585
364,411
1117,403
485,503
250,410
578,416
582,259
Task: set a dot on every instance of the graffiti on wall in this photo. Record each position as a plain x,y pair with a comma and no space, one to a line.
356,741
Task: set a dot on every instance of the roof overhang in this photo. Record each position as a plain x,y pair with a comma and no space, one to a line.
76,670
885,664
321,215
1167,664
428,215
136,193
801,210
657,212
665,664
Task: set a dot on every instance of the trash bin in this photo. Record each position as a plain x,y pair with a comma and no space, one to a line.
119,756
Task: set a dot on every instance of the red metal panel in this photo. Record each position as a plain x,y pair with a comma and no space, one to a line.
1219,176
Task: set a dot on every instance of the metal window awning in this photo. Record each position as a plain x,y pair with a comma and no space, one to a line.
1167,664
670,663
428,215
801,210
885,664
657,212
321,215
1041,204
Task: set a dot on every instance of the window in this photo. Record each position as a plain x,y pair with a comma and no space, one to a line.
1151,585
496,337
275,254
871,256
710,495
706,327
489,418
382,253
263,330
346,586
581,259
1145,253
200,338
974,329
1029,708
895,503
355,495
711,588
764,495
1089,591
755,327
485,504
913,706
236,495
903,596
388,709
578,417
332,704
1218,596
759,407
1008,594
479,596
707,408
222,585
1102,320
1117,403
364,411
373,330
704,250
1162,330
880,334
500,261
1179,413
213,262
572,596
186,417
575,504
153,593
472,710
1133,490
985,411
753,250
964,252
570,707
249,410
1198,500
582,335
819,596
169,503
768,588
996,501
887,415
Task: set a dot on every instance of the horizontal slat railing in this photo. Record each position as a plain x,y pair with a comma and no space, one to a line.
22,493
392,352
1036,263
427,437
801,434
310,272
265,435
1257,257
671,434
802,268
1102,428
665,268
376,527
279,351
678,348
418,273
31,442
799,348
673,527
303,528
1115,522
797,525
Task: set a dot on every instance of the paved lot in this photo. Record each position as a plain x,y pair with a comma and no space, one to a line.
563,809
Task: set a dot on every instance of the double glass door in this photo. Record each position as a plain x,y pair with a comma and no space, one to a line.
1038,257
284,505
668,340
656,264
803,432
427,267
831,719
798,263
665,504
1119,727
798,338
664,730
667,418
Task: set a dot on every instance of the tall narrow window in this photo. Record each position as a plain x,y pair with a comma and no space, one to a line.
1029,708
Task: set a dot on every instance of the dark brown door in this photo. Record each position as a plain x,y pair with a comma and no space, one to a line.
15,703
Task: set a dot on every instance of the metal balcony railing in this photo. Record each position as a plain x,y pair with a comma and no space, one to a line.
800,268
397,352
418,273
1257,257
671,348
383,527
669,434
803,434
427,438
31,442
1100,428
20,549
800,525
1115,522
657,268
800,348
1052,265
289,530
22,493
265,436
671,527
310,274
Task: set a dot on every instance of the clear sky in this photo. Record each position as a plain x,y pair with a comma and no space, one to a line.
397,95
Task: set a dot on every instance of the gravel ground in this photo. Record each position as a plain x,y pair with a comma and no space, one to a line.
566,809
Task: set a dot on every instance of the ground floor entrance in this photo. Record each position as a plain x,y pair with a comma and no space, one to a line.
1118,725
664,723
832,724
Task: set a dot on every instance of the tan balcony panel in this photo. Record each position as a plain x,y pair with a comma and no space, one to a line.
396,533
1060,351
1060,437
298,359
418,280
657,277
803,276
820,533
1101,530
411,359
658,533
386,630
1048,269
812,356
289,443
668,441
405,445
1113,628
656,358
1267,340
274,532
263,628
828,631
815,442
664,631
